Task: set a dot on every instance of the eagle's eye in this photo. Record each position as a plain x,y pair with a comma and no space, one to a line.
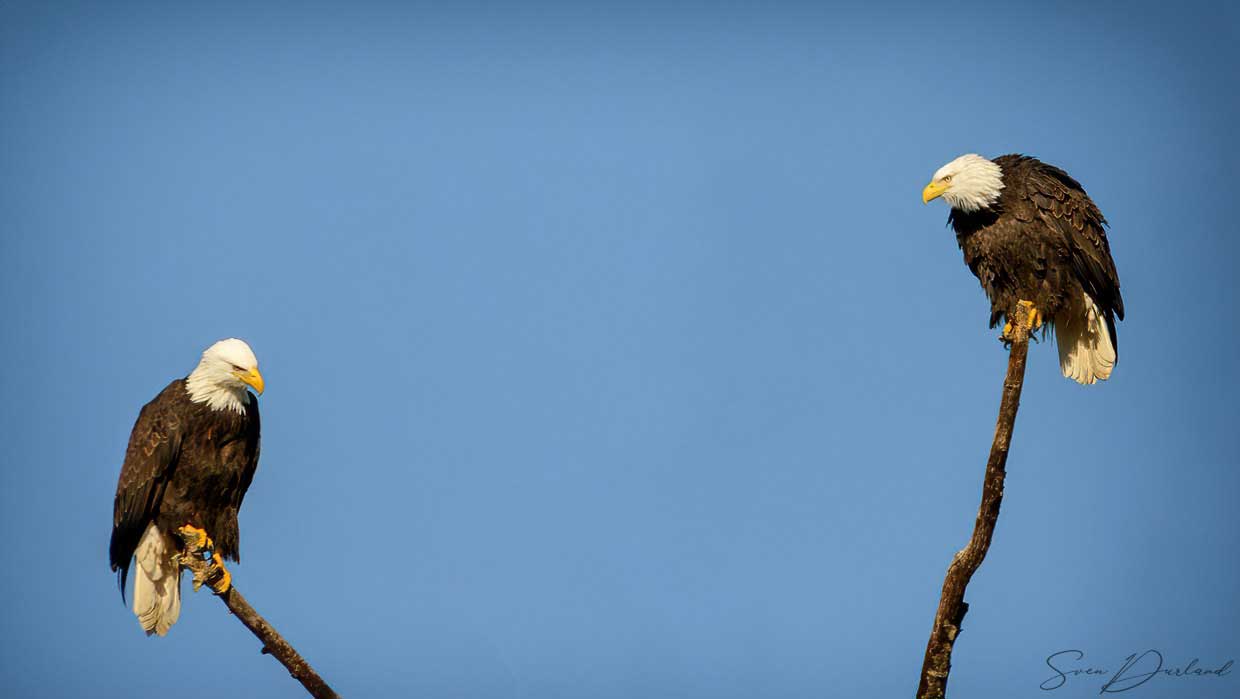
237,368
947,178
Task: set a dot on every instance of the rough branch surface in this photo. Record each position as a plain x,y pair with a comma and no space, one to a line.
952,607
205,572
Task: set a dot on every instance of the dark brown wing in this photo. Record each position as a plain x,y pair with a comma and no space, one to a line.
154,447
1064,207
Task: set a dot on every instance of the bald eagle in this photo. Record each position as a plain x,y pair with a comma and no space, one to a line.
191,457
1034,238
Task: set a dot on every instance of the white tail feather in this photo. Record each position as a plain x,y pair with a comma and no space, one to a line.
1086,353
157,585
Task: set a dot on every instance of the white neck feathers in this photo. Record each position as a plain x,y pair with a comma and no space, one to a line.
975,183
209,384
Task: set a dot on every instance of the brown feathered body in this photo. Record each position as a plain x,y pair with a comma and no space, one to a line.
186,464
1045,241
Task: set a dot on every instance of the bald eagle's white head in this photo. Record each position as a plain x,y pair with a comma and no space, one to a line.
221,378
969,183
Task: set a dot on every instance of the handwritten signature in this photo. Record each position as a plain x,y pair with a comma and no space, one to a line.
1136,670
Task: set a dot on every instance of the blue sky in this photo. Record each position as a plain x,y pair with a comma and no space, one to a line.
610,350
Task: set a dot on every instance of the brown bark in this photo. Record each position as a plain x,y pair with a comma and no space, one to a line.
205,571
952,607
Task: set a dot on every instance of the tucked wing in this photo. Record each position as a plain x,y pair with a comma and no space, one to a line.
1063,207
252,443
151,458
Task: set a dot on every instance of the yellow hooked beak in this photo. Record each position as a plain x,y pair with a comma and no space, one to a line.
934,190
251,378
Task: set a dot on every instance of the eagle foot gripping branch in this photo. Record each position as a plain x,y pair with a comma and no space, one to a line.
202,560
1034,320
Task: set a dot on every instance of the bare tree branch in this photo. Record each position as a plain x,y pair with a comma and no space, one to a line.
952,607
207,572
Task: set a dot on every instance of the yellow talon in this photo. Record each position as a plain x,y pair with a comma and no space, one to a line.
221,586
195,536
1035,316
216,576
